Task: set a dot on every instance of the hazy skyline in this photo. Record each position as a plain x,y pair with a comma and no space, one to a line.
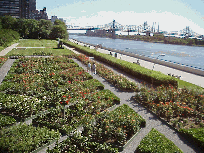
172,15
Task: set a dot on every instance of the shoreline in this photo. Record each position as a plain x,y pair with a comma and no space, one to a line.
140,40
156,61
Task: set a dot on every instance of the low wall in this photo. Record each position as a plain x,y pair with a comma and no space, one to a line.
156,61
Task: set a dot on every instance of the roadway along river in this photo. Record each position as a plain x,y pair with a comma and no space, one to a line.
187,55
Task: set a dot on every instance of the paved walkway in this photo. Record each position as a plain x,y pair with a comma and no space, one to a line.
5,68
8,49
152,121
189,77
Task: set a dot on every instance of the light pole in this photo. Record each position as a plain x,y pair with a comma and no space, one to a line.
157,58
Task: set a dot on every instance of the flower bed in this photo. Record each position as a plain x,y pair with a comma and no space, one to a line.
3,59
78,143
155,142
79,113
109,129
34,84
6,120
25,138
180,108
155,77
118,80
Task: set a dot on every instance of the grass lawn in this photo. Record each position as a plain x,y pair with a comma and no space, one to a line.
1,48
37,43
39,51
182,83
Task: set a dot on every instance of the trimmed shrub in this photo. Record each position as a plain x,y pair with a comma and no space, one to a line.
195,135
155,142
153,77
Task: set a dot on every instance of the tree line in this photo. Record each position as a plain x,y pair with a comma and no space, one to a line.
32,29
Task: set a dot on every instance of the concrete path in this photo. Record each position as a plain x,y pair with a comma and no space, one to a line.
8,49
5,68
189,77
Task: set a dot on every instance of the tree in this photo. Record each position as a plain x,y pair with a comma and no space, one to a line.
8,22
59,30
21,26
33,28
45,27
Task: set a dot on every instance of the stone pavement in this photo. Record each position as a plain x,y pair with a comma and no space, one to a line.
189,77
8,49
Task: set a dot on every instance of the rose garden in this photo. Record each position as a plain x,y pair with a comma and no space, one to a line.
58,97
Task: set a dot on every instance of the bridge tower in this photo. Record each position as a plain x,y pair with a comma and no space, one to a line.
113,30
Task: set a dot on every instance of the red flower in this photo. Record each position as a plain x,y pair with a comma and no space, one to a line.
60,102
64,96
67,101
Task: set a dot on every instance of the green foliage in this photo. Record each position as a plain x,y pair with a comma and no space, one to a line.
25,138
45,27
0,24
6,120
196,135
155,77
77,143
32,28
155,142
8,22
59,30
8,36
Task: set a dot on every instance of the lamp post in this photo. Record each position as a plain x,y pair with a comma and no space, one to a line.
157,58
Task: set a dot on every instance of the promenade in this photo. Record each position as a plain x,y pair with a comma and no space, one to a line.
189,77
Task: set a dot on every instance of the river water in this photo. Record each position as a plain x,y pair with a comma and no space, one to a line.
187,55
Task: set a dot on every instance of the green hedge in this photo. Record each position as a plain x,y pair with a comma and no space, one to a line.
155,142
7,36
155,77
195,135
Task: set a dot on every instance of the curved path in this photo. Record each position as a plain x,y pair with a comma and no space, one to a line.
8,49
152,121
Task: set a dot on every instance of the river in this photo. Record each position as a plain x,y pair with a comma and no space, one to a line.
190,56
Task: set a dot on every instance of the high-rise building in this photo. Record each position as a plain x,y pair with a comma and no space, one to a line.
10,7
24,9
18,8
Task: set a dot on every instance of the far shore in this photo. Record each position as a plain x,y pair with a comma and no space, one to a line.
161,42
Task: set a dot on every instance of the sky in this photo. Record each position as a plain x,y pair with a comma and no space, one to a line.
171,15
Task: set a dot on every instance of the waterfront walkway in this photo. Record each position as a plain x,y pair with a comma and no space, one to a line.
189,77
152,121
